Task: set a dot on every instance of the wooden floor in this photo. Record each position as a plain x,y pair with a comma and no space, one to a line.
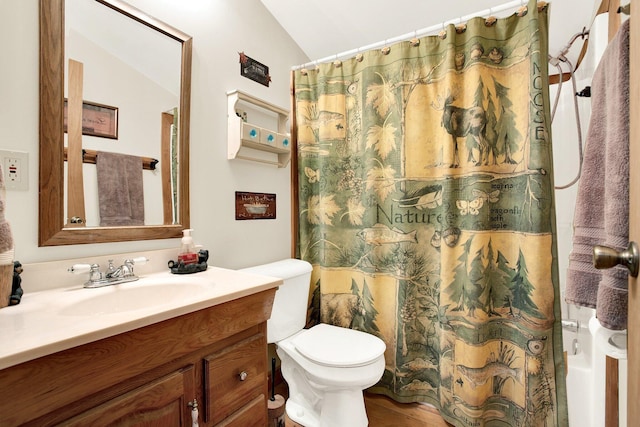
385,412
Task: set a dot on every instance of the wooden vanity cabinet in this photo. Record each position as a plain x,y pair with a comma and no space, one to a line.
159,403
149,376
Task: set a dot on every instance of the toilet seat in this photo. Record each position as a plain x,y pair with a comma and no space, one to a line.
334,346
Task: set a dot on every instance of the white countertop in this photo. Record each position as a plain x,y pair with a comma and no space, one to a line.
57,319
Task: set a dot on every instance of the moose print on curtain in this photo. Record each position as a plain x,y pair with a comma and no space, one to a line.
426,208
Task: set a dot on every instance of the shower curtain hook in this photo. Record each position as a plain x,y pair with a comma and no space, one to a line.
443,33
386,49
490,20
522,10
461,28
415,41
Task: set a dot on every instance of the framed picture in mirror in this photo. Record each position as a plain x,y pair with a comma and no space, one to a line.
97,119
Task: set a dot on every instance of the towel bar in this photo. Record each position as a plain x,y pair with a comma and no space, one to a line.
89,156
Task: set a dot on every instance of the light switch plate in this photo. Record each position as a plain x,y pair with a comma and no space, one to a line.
15,166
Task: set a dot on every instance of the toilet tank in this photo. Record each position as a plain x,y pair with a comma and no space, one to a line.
289,313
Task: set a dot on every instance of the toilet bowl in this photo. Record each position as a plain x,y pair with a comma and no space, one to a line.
326,367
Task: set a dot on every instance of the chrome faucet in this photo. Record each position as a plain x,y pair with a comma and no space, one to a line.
111,270
125,270
112,275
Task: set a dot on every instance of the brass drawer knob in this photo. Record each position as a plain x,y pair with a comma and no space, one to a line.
243,375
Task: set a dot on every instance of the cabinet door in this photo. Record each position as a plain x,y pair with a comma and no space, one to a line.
247,416
163,402
234,377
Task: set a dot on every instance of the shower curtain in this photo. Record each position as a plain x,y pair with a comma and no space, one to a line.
426,206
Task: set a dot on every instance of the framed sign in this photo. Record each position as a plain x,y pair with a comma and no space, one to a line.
252,69
97,120
255,205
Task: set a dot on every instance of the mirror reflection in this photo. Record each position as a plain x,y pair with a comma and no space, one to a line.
120,82
133,70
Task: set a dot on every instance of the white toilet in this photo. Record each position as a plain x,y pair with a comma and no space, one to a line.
326,367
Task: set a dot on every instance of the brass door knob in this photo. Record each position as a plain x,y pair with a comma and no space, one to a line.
606,257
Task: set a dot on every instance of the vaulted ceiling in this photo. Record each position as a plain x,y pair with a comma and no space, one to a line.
327,27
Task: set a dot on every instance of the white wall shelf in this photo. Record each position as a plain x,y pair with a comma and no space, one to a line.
241,133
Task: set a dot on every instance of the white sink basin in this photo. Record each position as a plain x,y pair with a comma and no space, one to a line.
133,296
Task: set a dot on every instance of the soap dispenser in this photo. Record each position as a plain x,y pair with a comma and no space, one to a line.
187,254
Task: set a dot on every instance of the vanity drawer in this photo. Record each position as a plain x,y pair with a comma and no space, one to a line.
234,377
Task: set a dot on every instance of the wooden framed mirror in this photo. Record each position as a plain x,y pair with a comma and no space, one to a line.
54,226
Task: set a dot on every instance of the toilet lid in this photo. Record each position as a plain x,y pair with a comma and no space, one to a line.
335,346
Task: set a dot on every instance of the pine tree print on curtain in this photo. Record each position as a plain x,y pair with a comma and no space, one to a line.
427,211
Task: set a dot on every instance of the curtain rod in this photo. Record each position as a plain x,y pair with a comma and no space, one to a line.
423,32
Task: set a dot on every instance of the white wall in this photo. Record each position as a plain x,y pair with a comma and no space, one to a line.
220,29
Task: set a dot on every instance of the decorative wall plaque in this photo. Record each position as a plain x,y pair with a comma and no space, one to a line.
97,119
254,70
255,205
